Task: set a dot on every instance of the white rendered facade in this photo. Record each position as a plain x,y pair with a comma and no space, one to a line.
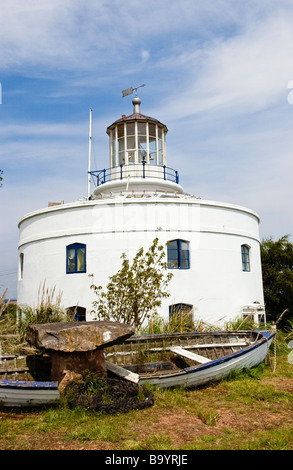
212,248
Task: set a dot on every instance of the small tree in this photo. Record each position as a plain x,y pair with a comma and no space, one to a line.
277,268
136,290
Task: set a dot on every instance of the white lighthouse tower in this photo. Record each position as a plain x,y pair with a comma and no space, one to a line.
212,248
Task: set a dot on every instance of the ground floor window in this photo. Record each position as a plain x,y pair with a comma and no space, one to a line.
76,313
180,309
181,317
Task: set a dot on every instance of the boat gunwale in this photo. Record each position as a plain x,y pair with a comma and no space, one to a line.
192,333
27,385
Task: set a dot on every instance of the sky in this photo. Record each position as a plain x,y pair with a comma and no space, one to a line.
218,73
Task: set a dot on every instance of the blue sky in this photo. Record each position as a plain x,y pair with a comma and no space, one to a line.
217,73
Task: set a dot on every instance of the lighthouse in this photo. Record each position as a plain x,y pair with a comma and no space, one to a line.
211,248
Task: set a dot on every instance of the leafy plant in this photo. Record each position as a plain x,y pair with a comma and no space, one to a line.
277,268
135,291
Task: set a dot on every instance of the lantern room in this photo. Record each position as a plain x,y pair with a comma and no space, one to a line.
137,139
137,155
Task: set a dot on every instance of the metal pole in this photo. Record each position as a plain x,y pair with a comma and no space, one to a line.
90,154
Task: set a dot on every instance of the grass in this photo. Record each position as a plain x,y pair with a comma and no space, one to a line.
248,411
251,411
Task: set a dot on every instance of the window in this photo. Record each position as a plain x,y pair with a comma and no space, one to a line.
75,258
21,261
245,253
76,313
180,309
178,254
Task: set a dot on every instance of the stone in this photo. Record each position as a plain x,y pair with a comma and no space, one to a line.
77,336
67,378
77,346
77,362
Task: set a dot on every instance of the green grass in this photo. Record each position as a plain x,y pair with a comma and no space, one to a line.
251,411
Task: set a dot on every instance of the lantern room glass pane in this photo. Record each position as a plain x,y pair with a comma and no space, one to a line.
153,150
120,130
130,128
152,130
121,158
141,128
130,143
142,148
121,151
113,151
121,146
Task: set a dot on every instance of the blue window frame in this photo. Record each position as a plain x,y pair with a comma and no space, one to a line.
245,254
178,254
76,258
180,310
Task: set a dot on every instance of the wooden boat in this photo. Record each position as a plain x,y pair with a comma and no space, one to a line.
28,393
187,359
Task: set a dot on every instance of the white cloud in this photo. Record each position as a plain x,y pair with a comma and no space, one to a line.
242,74
145,55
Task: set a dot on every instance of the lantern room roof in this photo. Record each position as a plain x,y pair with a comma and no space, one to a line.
136,116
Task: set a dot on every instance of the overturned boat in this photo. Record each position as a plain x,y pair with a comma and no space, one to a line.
23,393
187,359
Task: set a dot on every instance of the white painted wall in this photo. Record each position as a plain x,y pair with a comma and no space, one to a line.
215,284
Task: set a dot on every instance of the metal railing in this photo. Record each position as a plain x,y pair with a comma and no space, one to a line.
141,170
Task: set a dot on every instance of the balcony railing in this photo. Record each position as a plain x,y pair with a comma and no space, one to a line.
140,170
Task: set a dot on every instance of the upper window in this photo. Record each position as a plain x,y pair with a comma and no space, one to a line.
76,258
178,254
21,262
245,253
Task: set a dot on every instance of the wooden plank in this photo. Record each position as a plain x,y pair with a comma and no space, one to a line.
122,372
198,346
190,355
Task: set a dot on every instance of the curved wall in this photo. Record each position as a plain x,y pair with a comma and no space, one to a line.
215,284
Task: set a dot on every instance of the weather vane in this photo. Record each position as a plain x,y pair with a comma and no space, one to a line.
129,91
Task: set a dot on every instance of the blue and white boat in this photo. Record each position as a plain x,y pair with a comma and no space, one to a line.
14,393
188,359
